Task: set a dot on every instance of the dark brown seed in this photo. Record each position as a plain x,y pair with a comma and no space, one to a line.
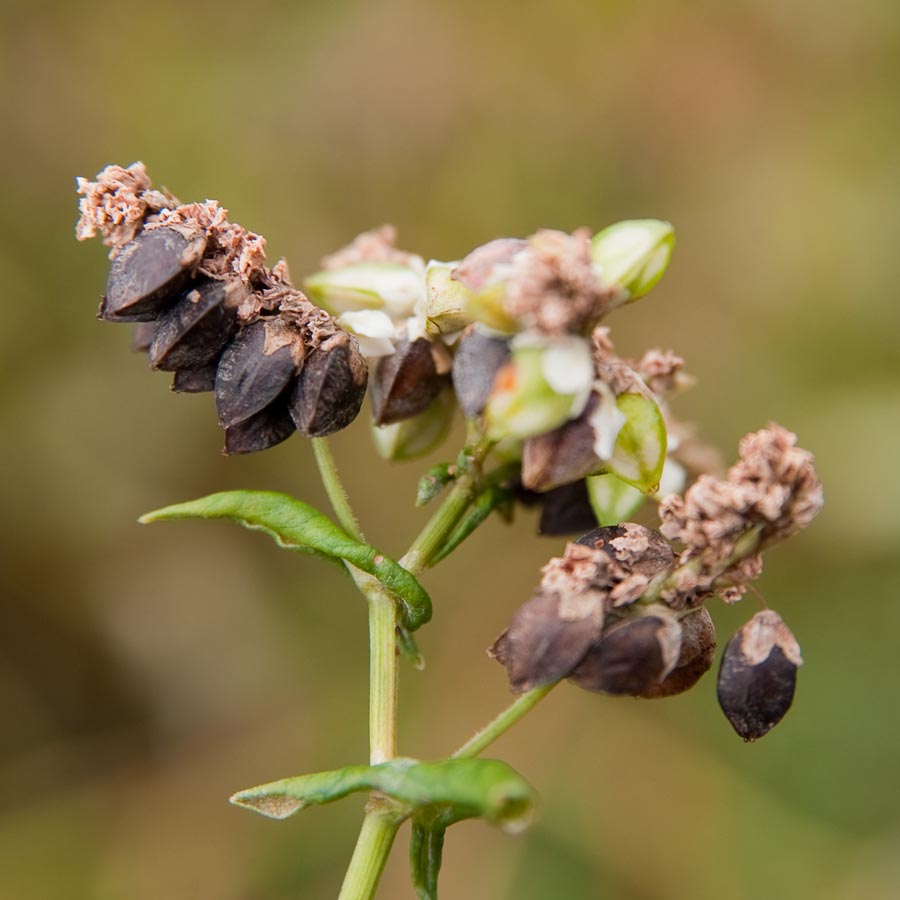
631,656
195,381
563,455
265,429
142,336
249,378
330,388
149,274
193,333
404,383
643,550
547,637
698,647
476,362
565,510
758,675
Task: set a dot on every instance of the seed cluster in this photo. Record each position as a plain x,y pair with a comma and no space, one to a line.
211,312
622,611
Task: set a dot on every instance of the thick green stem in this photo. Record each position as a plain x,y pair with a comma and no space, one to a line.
515,711
376,837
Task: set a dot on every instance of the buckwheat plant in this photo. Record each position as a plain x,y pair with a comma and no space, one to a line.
512,336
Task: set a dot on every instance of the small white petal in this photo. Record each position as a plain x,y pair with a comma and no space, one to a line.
372,328
567,366
606,421
673,478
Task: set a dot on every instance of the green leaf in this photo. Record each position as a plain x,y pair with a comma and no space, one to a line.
295,525
452,789
640,449
612,500
426,849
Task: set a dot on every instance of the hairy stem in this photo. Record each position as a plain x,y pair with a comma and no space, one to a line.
334,487
512,714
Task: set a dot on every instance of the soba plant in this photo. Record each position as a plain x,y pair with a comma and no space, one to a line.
512,336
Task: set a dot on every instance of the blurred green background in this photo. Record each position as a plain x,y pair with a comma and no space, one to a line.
146,673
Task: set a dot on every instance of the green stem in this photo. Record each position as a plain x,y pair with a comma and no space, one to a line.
515,711
383,674
334,487
376,837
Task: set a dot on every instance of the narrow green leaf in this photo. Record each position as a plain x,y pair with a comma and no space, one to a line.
295,525
426,849
640,449
452,788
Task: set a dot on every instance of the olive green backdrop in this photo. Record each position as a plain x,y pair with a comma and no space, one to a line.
146,673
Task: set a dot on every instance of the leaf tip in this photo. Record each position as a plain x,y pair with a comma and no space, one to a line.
274,806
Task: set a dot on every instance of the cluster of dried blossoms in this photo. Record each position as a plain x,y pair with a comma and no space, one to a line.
512,335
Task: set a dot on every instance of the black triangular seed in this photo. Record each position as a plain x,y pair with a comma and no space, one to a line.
265,429
195,381
758,675
404,383
142,336
330,388
149,274
566,510
546,638
249,379
698,647
629,658
194,331
476,362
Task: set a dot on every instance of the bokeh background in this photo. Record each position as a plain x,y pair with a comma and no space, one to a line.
146,673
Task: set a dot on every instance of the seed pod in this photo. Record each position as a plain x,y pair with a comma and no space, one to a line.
262,430
563,455
194,331
195,381
477,360
254,369
565,510
758,675
405,382
547,637
330,388
698,647
149,274
632,656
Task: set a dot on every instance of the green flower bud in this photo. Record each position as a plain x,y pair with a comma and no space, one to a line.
446,300
372,285
633,254
543,385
